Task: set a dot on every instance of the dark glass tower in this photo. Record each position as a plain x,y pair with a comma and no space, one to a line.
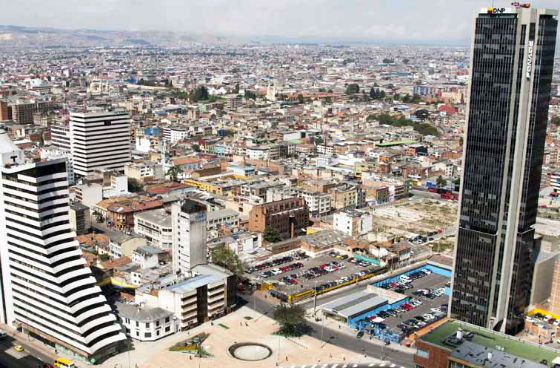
511,70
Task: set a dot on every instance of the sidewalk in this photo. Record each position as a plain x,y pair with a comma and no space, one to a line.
343,328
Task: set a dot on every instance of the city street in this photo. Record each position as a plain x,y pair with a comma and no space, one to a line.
29,358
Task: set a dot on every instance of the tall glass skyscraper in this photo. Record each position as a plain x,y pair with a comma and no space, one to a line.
512,58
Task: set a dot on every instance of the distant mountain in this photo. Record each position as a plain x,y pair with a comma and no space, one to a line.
17,36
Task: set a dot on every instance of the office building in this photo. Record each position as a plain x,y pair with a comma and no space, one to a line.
99,140
188,220
47,290
511,70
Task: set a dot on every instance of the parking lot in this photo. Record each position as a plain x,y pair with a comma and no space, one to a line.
309,273
426,307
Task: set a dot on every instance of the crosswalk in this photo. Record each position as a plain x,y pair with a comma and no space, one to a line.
349,365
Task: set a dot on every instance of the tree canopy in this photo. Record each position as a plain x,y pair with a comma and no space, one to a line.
174,172
352,88
441,182
271,235
291,319
250,94
199,94
226,258
134,185
376,94
388,119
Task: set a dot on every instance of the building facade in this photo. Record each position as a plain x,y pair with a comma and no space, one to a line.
511,70
188,220
155,225
42,264
286,216
99,140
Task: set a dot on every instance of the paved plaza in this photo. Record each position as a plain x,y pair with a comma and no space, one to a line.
231,329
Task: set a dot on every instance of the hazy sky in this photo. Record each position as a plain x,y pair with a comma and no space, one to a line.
398,20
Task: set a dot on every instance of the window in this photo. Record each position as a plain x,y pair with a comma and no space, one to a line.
137,324
148,335
167,329
423,353
157,323
166,319
147,324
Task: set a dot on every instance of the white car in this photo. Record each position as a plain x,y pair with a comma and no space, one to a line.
435,310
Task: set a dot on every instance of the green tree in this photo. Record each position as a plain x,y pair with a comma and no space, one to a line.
422,114
555,120
98,216
174,172
199,94
300,98
352,88
461,141
134,186
388,61
196,147
250,94
291,319
104,257
226,258
271,235
441,182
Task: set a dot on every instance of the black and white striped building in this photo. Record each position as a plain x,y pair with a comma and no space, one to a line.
47,289
99,140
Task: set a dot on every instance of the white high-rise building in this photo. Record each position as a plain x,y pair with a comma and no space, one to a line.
188,220
60,137
99,140
46,287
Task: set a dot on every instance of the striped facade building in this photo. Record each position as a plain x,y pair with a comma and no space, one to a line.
47,290
99,140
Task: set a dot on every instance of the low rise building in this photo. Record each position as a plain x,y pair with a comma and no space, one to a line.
145,323
225,217
353,222
155,225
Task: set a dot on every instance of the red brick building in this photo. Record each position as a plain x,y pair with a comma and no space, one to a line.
280,216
